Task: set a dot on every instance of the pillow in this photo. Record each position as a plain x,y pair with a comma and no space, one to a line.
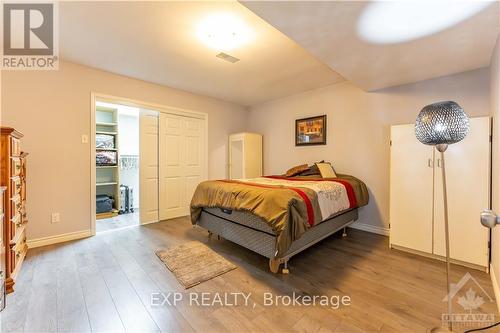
326,170
296,170
312,170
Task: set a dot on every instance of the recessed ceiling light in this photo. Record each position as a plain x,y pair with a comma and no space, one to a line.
388,22
223,32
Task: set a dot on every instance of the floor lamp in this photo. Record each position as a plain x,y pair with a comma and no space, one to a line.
441,124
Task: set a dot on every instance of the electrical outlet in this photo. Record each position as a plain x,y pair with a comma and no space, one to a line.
85,138
55,218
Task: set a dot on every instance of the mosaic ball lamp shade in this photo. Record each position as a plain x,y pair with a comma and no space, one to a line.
441,123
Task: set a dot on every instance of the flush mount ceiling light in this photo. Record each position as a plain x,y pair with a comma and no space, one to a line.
388,22
223,32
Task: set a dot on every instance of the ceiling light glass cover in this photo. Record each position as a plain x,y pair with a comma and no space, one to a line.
388,22
223,32
441,123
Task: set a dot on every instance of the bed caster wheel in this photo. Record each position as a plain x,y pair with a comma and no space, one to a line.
344,233
210,235
285,271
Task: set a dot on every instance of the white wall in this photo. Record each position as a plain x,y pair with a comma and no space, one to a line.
52,109
359,127
495,113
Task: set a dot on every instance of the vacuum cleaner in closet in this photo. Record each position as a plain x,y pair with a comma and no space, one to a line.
126,199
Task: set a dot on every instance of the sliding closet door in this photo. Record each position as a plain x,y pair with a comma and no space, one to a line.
148,170
410,190
468,177
182,145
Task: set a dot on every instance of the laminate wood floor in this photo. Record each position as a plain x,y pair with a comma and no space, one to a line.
118,222
104,284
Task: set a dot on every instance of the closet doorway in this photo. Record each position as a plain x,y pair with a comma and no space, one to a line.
117,150
146,162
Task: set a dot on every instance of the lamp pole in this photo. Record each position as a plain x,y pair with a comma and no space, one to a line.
441,148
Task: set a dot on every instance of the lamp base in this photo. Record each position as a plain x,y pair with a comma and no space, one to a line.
440,329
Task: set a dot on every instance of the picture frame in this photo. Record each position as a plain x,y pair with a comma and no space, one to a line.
310,131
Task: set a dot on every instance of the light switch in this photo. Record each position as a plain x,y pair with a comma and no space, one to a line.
85,138
55,218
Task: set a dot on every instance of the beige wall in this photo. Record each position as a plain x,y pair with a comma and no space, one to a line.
359,128
52,109
495,113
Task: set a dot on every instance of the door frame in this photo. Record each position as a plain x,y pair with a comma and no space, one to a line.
94,97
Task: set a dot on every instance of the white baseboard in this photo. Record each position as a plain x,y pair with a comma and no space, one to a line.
37,242
496,287
370,228
150,222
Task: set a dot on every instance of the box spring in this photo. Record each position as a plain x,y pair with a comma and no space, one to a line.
254,233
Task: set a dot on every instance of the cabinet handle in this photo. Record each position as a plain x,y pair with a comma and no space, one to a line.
429,162
439,162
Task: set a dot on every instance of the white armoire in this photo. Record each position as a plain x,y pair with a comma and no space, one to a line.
416,197
245,155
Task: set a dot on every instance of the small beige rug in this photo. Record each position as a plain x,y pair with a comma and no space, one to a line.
193,263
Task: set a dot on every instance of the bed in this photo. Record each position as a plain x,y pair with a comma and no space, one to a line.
278,216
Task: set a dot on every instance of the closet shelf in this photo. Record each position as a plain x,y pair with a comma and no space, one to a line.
106,184
105,132
106,149
106,124
106,166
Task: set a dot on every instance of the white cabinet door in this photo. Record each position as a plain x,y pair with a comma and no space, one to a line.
411,190
182,144
236,158
468,177
245,155
148,166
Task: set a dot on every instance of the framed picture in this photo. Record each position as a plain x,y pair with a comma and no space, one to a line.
310,131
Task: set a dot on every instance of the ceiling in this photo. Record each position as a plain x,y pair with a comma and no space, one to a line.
157,42
329,31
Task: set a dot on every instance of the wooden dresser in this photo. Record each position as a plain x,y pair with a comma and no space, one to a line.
13,178
2,252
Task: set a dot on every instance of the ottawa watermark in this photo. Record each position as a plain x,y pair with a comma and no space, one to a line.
470,295
268,299
30,38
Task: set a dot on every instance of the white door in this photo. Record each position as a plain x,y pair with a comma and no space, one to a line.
411,190
467,177
182,162
148,166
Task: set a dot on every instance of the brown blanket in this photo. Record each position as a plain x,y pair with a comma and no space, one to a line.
289,210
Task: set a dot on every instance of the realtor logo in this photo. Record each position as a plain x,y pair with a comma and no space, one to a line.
470,295
29,36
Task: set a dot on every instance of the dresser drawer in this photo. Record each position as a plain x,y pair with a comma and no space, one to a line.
15,207
15,226
24,215
15,186
20,248
15,166
15,147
